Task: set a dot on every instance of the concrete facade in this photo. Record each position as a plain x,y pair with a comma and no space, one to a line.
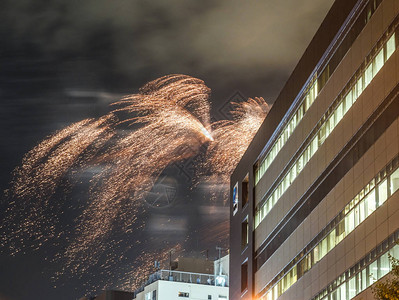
336,162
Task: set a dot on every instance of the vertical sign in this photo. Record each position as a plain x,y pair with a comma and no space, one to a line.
235,199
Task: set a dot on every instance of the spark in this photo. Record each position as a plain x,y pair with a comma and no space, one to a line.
170,133
167,121
232,138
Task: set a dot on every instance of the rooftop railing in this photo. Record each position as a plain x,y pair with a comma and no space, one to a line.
188,277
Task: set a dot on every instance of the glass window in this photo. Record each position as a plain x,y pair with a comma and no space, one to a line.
364,279
293,173
269,205
384,265
390,46
269,295
373,271
244,276
348,101
323,247
378,62
359,86
314,146
352,287
368,74
342,291
357,215
349,222
362,211
315,255
331,240
382,192
322,133
395,251
370,204
394,181
340,231
339,113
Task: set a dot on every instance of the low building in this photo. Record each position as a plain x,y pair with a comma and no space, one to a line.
178,284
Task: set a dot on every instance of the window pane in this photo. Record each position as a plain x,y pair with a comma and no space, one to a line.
362,211
368,74
331,240
357,215
364,279
359,86
384,265
382,192
394,181
349,222
314,145
370,203
378,62
339,113
352,287
340,231
373,271
348,101
391,46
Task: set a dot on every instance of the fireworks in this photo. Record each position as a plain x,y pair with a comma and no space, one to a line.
170,133
169,120
232,138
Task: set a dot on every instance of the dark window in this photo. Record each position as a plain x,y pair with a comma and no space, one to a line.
244,276
154,295
209,297
245,191
244,233
183,294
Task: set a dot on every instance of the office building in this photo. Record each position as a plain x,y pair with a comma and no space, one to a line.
314,200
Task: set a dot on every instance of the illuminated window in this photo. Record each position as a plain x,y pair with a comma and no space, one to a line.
327,125
390,46
354,213
382,192
394,181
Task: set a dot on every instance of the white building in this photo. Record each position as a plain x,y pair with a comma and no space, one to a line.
182,285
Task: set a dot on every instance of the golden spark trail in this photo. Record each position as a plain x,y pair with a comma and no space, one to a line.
167,121
232,138
42,169
170,133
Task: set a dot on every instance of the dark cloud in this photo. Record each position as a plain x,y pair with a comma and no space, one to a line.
235,41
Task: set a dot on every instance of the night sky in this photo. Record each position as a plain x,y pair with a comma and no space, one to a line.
62,61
